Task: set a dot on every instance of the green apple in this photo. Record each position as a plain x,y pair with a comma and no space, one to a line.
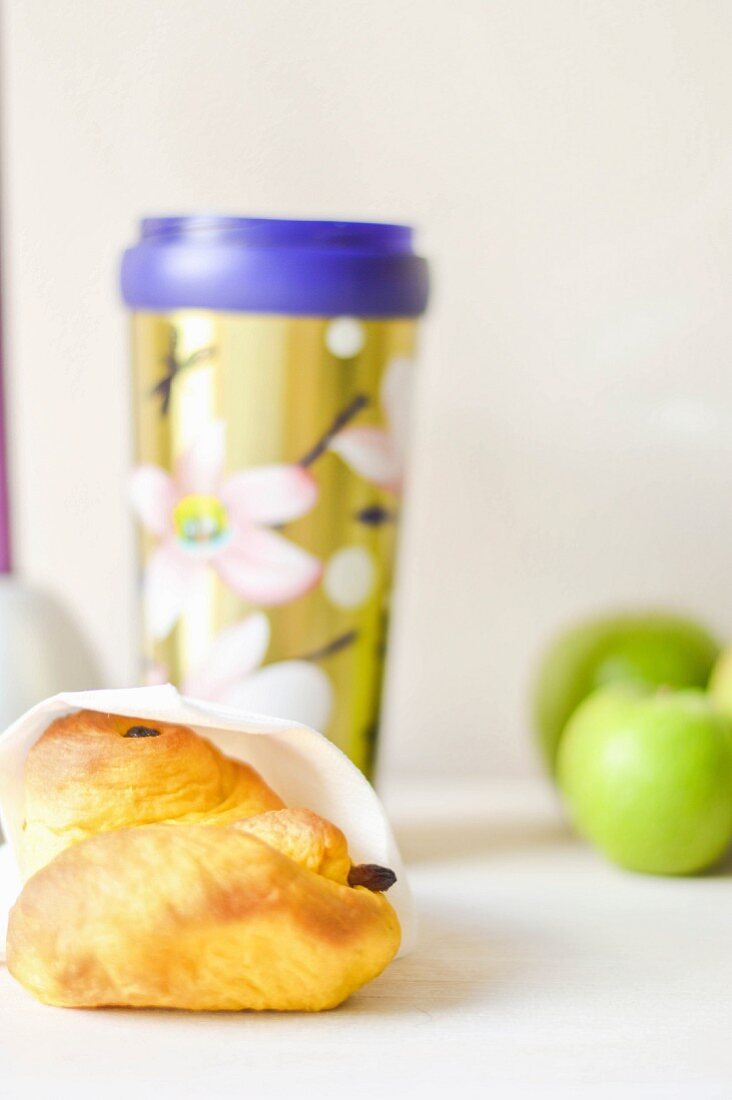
648,778
655,649
720,682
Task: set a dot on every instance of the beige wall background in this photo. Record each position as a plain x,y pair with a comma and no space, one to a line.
569,165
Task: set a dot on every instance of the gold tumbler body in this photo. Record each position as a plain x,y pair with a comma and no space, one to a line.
267,485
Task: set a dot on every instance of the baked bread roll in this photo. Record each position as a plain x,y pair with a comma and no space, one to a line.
252,915
92,772
165,874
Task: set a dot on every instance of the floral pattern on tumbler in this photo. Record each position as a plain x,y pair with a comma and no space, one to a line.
232,674
270,459
378,453
204,519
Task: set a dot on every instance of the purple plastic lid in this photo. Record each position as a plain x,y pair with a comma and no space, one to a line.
269,265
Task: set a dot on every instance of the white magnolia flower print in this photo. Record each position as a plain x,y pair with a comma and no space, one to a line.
203,520
349,577
231,673
378,454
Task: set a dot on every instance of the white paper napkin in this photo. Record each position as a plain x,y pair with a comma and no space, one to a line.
302,766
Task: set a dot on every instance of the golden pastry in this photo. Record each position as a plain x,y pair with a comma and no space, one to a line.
316,844
190,916
93,772
310,840
168,875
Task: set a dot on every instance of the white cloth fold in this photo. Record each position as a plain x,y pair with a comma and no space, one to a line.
300,764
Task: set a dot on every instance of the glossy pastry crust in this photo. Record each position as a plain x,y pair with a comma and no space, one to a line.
93,772
164,874
194,917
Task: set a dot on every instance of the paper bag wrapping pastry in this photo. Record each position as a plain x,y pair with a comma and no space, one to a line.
182,854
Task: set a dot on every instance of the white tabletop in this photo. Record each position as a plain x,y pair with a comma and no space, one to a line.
540,971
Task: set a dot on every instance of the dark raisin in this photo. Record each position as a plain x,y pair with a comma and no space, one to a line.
373,877
141,731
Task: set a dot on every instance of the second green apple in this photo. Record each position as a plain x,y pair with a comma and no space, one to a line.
652,649
648,778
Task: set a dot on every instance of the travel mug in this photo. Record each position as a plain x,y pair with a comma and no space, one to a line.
273,365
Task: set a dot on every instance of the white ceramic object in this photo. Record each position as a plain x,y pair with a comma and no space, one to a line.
41,650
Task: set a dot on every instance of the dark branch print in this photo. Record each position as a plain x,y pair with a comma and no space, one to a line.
359,402
335,646
173,367
374,515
